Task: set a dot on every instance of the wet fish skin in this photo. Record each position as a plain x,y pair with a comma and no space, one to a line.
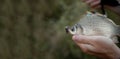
95,24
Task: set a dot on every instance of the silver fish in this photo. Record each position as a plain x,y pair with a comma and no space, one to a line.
95,24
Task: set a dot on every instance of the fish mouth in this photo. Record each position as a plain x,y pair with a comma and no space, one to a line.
67,29
71,30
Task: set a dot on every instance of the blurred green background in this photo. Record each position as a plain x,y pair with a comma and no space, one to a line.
34,29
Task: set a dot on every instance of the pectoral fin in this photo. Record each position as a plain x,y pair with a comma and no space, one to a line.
115,39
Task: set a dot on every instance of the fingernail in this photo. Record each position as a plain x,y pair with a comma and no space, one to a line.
76,37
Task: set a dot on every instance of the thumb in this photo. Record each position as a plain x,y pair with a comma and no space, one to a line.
82,39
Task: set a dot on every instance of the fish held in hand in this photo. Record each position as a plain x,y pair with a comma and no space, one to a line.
95,24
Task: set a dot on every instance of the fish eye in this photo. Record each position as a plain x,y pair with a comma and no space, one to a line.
73,29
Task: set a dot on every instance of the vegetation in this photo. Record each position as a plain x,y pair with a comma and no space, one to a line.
34,29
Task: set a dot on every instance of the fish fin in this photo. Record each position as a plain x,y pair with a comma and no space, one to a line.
115,39
118,30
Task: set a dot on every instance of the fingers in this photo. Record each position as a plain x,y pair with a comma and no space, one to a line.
82,39
86,43
95,45
87,48
89,1
84,48
93,3
91,40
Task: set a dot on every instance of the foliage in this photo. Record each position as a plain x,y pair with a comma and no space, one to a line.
34,29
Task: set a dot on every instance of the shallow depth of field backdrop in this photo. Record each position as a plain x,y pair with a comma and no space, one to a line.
34,29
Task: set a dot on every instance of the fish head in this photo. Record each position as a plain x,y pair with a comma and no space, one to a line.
76,29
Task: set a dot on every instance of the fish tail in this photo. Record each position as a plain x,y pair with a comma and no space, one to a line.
118,32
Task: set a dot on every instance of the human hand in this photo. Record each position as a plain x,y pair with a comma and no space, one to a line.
97,3
93,3
112,5
99,46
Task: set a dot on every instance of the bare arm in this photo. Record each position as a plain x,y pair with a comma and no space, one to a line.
114,9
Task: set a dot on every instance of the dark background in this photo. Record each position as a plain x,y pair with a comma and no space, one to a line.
34,29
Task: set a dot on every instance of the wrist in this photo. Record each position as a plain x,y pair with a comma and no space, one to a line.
115,54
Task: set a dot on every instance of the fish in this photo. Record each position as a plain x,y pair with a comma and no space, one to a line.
95,24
